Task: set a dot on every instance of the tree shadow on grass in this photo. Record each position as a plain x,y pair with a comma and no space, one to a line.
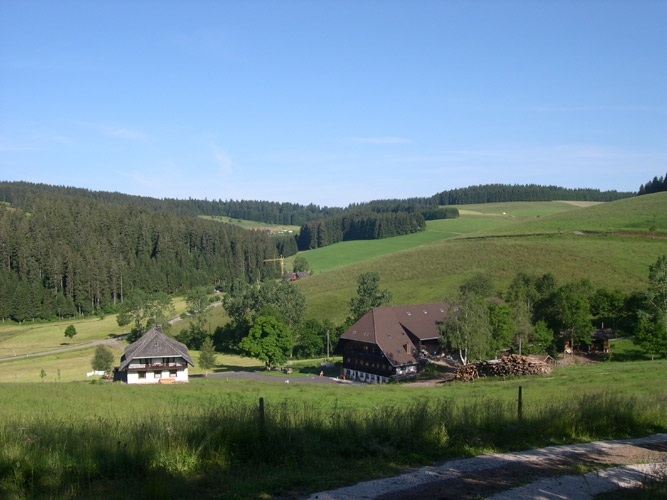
118,336
633,355
235,368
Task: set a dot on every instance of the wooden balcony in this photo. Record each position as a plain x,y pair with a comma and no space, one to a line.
156,366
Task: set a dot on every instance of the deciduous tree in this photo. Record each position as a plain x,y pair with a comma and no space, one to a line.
70,332
300,264
369,295
139,308
103,359
269,340
197,303
502,325
311,339
651,330
467,329
480,284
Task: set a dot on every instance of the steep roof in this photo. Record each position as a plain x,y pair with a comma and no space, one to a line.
390,328
154,344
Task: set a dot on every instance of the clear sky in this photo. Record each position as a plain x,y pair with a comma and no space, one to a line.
331,102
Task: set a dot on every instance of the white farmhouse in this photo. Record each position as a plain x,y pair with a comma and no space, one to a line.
155,358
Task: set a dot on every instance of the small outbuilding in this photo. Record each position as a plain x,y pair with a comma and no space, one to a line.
153,359
600,340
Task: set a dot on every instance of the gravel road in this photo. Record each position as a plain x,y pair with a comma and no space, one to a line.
547,473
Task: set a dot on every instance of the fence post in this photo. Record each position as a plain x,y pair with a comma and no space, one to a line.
520,407
261,414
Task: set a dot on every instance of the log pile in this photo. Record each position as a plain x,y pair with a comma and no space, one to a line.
466,373
509,365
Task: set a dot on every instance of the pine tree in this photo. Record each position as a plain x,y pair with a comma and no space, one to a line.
207,355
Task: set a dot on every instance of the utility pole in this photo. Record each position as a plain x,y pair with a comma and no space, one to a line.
328,345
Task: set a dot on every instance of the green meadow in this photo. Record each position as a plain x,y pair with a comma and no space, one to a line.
64,436
250,224
496,239
207,438
434,271
602,242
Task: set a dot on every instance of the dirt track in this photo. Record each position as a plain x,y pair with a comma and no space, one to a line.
284,378
505,476
112,342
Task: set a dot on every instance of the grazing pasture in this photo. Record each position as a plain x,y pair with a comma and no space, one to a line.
250,224
433,272
473,218
208,439
603,242
64,437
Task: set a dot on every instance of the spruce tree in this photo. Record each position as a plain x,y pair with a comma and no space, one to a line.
207,355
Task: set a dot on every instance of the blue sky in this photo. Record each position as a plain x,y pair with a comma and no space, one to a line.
331,102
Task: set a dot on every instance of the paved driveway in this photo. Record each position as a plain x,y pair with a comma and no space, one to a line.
283,378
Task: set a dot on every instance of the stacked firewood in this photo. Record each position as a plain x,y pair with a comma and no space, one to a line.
466,373
509,365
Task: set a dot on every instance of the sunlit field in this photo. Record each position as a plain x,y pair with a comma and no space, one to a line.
208,439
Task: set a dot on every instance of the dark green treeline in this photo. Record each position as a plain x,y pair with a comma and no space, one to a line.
24,195
73,255
501,193
359,226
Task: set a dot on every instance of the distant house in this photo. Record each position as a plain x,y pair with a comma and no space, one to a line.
154,358
541,358
388,342
296,276
600,340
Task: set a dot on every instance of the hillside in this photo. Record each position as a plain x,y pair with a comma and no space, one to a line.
637,216
506,245
496,239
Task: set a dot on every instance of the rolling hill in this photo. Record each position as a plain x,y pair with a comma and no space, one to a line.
608,243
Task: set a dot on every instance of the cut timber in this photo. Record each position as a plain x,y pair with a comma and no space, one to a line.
509,365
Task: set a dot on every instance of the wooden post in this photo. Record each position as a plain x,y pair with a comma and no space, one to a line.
520,407
261,414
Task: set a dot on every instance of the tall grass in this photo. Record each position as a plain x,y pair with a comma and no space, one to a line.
225,450
433,272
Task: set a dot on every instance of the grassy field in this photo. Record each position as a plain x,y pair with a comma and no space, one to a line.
473,219
630,215
532,237
72,366
422,267
250,224
433,272
205,439
65,437
33,337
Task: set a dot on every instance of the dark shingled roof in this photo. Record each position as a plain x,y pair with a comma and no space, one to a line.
390,328
154,344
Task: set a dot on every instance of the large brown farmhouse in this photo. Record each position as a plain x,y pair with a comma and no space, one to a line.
387,342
